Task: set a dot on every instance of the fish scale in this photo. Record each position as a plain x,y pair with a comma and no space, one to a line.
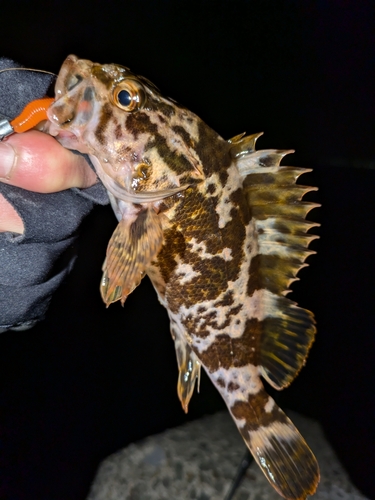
220,229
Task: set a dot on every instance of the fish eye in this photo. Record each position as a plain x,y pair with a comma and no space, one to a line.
124,97
129,95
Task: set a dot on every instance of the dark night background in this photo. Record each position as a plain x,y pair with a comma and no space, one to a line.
88,381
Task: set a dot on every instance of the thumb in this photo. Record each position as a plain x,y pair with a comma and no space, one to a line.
37,162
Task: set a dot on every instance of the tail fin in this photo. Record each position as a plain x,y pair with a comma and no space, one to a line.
277,446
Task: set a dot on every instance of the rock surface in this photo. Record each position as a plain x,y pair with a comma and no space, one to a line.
199,460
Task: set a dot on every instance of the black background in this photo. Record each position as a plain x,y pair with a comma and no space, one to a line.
88,381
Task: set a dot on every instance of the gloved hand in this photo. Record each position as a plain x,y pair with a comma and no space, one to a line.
36,228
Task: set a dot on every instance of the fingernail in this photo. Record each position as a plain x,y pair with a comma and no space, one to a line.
7,157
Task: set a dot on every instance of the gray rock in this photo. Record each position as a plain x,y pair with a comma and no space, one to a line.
198,462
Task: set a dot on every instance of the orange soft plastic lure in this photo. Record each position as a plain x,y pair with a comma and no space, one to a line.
32,114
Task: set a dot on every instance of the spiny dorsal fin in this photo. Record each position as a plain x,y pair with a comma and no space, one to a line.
133,245
279,213
243,145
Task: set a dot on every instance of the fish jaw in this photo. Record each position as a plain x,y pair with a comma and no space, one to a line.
76,119
129,144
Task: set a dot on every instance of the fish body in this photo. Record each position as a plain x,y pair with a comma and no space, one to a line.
220,230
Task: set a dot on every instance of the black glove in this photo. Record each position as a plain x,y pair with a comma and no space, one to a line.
28,276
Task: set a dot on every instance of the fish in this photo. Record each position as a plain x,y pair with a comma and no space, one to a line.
220,229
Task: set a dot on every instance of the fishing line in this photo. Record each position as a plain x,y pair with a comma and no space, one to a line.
28,69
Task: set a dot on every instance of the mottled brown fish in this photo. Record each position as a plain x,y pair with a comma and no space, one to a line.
220,229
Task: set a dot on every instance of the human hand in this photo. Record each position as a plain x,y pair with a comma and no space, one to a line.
37,162
35,261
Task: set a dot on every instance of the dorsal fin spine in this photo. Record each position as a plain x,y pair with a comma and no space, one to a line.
276,206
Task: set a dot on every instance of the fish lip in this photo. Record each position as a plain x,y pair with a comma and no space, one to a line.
53,128
66,138
62,134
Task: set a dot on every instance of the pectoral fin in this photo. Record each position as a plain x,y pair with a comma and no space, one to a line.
133,245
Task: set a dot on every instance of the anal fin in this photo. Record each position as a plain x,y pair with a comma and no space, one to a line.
189,368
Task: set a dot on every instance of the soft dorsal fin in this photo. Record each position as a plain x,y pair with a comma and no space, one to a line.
133,245
279,213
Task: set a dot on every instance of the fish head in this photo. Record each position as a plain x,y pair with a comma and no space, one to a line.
138,139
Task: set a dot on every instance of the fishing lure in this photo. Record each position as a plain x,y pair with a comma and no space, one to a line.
32,114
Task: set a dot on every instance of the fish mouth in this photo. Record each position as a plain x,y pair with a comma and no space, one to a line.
54,129
62,133
66,138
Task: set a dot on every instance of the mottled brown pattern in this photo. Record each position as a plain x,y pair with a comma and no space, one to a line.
174,246
166,109
200,325
203,226
232,386
220,382
213,152
233,234
102,76
104,121
210,319
118,131
195,218
139,123
238,199
211,188
254,414
162,118
192,324
201,222
186,137
207,285
227,299
227,352
176,162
